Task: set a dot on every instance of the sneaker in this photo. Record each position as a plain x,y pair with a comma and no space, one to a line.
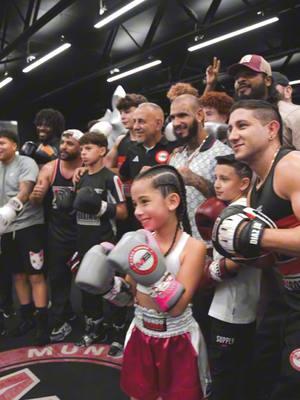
8,311
60,332
95,331
116,350
117,346
23,327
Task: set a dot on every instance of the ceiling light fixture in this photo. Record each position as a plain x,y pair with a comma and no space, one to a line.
134,70
5,81
47,57
118,13
233,34
296,82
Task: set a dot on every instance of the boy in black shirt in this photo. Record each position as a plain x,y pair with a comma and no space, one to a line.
99,201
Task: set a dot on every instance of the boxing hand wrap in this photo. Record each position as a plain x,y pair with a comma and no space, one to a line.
9,212
95,274
166,292
206,215
120,294
137,254
216,272
238,230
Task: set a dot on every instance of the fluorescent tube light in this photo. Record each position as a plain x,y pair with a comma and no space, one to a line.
233,34
118,13
134,70
47,57
5,81
296,82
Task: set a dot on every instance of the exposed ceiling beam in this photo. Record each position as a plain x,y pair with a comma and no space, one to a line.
211,12
155,24
110,41
29,14
189,11
48,16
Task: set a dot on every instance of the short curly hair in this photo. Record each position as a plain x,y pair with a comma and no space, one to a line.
218,100
131,100
52,118
181,88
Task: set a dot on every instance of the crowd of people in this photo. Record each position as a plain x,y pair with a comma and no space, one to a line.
183,237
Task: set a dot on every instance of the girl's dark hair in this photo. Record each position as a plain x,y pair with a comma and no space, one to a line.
168,180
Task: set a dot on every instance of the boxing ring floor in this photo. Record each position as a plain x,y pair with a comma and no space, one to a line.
61,371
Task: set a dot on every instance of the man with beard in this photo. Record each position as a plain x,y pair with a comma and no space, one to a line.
289,111
195,159
49,125
252,78
196,162
55,180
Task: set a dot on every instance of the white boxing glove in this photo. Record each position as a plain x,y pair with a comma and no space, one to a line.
9,212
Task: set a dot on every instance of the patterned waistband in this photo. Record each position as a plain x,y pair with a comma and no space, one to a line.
162,325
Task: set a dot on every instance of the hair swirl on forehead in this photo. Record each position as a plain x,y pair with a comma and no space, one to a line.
168,180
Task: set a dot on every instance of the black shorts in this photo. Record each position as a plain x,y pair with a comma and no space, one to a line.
23,250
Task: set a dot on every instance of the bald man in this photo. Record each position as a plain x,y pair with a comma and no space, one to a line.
152,147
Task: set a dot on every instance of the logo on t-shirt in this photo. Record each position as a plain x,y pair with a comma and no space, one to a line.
136,159
162,157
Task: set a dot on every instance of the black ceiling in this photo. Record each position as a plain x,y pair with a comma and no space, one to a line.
75,81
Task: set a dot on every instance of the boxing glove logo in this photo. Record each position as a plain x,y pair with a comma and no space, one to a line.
142,260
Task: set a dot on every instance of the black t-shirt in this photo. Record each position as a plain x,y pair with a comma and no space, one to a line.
139,156
91,229
123,149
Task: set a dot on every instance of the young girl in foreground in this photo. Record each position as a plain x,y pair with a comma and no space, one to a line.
165,356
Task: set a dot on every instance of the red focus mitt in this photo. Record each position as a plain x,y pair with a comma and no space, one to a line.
206,214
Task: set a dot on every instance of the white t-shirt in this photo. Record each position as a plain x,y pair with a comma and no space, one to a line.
235,300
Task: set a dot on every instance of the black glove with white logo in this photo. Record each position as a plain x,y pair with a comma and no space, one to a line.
238,231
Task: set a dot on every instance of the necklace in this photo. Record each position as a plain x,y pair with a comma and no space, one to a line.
259,181
173,241
195,152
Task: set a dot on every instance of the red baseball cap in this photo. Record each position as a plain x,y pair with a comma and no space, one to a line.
252,61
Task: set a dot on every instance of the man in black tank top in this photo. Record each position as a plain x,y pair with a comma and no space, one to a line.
55,185
255,133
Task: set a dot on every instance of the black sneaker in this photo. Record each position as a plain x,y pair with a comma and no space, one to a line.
23,327
8,311
117,346
95,332
41,337
60,332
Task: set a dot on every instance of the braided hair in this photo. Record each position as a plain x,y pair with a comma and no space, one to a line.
168,180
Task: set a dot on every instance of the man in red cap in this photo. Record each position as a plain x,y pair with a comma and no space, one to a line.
252,77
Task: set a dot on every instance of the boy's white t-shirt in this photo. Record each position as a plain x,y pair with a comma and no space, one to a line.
235,300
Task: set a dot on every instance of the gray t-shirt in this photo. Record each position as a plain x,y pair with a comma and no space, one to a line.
20,169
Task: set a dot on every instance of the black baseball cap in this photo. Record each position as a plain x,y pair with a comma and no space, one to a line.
280,79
